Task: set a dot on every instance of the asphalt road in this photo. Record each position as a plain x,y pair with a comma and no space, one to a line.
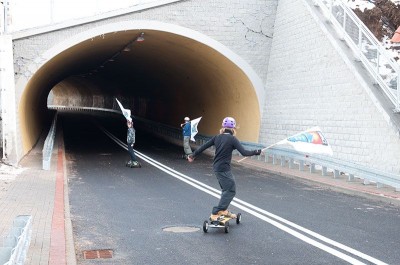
284,220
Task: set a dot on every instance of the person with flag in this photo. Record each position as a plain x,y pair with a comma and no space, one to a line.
225,143
187,132
130,136
130,141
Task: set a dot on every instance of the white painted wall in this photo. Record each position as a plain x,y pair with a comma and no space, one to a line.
310,84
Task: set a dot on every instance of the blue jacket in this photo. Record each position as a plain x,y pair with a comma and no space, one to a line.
187,129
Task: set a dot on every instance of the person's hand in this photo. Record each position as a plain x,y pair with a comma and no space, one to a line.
257,152
190,158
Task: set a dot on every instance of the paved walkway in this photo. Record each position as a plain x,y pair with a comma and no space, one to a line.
30,190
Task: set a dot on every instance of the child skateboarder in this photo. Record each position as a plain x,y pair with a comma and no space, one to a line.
224,144
130,140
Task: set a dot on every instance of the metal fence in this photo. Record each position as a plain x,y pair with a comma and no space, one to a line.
274,155
15,245
368,49
48,144
290,157
283,155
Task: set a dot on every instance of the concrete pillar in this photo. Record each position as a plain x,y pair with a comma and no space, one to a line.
7,96
5,17
2,18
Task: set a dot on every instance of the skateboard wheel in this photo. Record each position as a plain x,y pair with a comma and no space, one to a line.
227,227
238,218
205,226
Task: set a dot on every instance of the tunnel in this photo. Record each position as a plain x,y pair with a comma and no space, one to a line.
162,73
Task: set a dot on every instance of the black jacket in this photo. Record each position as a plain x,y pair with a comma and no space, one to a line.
224,145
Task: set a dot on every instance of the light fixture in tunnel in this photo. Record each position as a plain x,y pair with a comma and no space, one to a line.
126,48
140,38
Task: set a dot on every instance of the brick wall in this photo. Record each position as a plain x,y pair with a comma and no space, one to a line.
309,84
244,27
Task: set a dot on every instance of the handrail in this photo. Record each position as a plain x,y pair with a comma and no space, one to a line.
16,244
336,165
327,163
381,66
284,154
48,144
79,108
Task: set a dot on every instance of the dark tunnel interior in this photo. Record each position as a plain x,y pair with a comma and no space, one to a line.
160,76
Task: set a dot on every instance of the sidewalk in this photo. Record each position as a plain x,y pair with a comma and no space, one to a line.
30,190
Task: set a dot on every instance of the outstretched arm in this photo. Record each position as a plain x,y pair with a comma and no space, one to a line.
208,144
243,151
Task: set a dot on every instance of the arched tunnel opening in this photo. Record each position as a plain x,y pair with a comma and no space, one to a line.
163,78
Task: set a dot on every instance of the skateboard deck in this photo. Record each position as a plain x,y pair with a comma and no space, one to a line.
221,222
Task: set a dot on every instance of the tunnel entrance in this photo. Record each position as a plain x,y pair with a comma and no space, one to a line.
161,73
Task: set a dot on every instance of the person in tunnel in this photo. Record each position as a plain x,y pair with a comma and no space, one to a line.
186,130
130,140
225,143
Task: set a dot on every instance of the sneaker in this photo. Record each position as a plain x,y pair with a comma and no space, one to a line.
227,213
136,164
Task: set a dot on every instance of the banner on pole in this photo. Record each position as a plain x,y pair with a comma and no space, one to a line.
193,126
310,141
125,112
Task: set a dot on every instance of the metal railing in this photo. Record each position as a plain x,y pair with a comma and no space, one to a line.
379,63
291,157
274,154
82,109
48,144
327,164
15,245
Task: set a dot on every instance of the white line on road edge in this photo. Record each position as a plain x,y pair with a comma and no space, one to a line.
260,213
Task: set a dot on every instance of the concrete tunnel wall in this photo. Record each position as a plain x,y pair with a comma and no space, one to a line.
175,72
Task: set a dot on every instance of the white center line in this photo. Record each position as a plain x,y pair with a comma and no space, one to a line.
266,216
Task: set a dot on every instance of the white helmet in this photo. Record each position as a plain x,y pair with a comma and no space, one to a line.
186,119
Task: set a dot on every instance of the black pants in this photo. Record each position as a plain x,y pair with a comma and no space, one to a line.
131,152
228,190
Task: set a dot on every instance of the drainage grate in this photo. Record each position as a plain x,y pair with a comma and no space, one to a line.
98,254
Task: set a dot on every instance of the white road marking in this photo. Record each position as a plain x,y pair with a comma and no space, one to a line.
260,213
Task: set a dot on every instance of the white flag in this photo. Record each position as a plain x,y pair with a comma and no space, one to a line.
125,112
193,126
310,141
